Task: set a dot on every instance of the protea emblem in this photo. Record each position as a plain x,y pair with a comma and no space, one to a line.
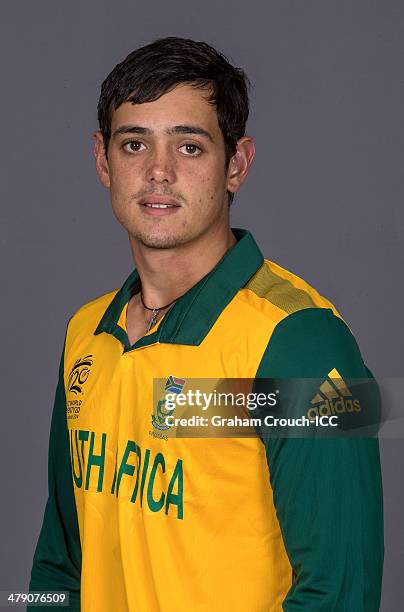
173,385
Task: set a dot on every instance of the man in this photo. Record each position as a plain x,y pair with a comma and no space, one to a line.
140,521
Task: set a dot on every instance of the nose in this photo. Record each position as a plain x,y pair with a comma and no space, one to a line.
161,166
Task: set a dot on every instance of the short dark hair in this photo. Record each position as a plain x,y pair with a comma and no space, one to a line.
158,67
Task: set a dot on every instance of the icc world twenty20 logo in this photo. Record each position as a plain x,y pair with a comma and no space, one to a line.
79,374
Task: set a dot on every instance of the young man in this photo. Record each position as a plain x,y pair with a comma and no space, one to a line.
137,520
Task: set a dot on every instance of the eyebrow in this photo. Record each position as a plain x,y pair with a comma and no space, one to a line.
176,129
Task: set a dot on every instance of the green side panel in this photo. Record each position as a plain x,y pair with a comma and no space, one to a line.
57,558
327,492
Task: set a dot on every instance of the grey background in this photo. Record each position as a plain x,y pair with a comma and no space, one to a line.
323,197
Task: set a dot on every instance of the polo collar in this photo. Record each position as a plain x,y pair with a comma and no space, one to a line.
192,316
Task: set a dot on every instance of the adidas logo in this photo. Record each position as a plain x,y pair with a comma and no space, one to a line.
334,398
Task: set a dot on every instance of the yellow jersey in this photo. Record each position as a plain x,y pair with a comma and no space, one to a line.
137,521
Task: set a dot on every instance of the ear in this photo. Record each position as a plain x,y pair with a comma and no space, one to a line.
240,163
101,162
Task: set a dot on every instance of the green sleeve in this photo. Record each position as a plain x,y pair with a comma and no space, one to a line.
327,491
57,559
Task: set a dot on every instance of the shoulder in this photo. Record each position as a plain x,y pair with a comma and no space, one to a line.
88,315
308,335
284,292
312,342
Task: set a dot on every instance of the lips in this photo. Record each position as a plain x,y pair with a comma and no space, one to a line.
158,202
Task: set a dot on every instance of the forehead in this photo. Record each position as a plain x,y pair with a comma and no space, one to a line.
183,105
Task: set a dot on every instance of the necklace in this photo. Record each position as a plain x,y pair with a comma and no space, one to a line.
154,310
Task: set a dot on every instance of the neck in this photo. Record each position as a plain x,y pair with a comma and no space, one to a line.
166,274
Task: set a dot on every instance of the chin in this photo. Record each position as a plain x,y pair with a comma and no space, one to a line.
161,240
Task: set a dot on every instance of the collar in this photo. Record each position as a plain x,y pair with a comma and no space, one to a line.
191,317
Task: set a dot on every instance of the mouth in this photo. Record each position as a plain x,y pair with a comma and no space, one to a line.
159,205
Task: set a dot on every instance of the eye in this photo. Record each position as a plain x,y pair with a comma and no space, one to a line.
132,146
192,150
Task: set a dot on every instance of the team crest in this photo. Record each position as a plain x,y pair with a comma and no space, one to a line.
173,385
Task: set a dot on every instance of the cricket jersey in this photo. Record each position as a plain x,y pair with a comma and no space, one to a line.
138,521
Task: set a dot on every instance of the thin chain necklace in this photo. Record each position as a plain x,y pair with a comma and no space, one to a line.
155,310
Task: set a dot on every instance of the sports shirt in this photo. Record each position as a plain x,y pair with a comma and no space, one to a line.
139,522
